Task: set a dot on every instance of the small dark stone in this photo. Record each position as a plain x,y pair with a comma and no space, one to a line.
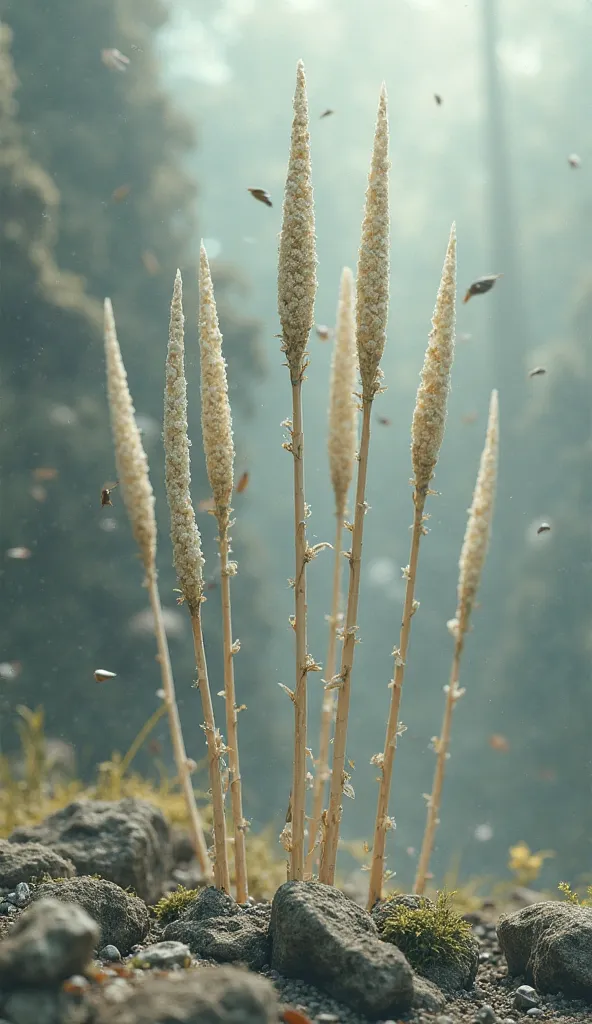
550,944
486,1015
11,909
164,955
110,953
123,919
4,907
29,861
213,995
22,894
535,1011
125,841
51,941
215,927
325,939
525,998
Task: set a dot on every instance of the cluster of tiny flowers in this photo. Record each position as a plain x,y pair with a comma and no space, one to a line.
343,411
297,279
185,535
373,260
429,417
476,540
216,420
130,457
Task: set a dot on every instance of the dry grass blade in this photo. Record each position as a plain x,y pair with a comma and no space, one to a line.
296,292
343,421
427,433
472,560
132,467
216,423
371,323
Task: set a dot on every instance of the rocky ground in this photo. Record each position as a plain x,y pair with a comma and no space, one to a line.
80,944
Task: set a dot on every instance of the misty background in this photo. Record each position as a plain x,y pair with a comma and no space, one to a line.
202,113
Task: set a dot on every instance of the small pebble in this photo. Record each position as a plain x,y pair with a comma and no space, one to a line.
329,1018
526,998
22,894
11,897
486,1015
110,953
4,907
443,1019
479,931
484,957
164,955
535,1011
11,909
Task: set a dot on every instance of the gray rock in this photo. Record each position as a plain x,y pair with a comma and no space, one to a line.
51,941
110,953
125,841
550,944
22,894
486,1015
427,996
535,1011
215,927
448,974
164,955
30,861
444,1019
212,995
525,998
44,1006
123,919
322,937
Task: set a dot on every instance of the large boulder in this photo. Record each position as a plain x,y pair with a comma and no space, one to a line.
322,937
550,944
50,942
126,841
212,995
122,918
216,928
29,862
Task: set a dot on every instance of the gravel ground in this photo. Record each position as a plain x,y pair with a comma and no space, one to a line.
492,989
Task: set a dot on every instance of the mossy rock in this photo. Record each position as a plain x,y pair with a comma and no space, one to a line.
170,907
436,940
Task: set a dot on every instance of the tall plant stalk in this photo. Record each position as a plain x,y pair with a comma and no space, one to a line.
343,422
472,560
371,319
216,421
427,432
296,293
132,468
188,557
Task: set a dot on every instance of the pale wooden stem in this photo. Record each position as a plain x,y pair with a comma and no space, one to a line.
328,707
331,839
299,773
213,740
236,798
432,820
196,831
382,823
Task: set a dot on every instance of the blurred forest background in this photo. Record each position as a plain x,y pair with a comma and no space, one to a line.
108,180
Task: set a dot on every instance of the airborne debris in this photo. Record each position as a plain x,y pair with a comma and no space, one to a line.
481,285
498,742
10,669
114,59
326,113
45,473
20,554
206,505
120,193
243,483
261,195
150,261
102,675
438,99
537,372
106,493
574,160
543,528
469,417
384,421
323,332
